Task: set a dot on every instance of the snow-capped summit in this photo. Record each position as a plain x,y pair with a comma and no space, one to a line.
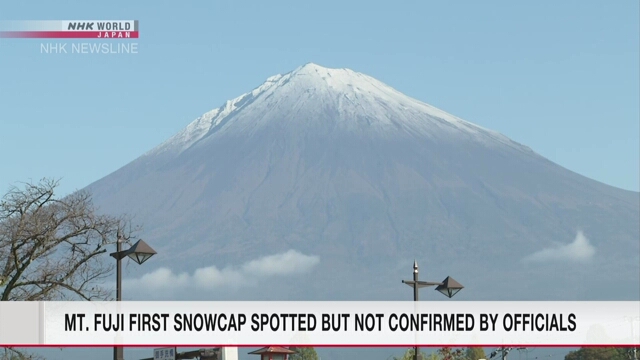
331,100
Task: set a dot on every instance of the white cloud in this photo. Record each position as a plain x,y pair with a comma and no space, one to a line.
579,250
283,264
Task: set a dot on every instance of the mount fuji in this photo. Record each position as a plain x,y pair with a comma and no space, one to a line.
326,184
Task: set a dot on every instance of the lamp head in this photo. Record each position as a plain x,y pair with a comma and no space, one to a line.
449,287
140,252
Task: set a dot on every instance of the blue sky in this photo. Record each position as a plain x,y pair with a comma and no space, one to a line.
560,77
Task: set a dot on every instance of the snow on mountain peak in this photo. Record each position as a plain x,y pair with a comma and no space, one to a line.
357,101
315,70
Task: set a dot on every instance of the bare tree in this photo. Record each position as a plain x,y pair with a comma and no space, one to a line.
51,249
14,354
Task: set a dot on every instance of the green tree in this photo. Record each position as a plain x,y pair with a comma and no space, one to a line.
303,353
630,353
608,353
475,353
448,353
408,355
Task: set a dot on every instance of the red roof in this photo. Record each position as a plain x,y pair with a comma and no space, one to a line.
273,350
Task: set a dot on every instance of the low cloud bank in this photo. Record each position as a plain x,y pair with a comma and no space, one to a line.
579,250
283,264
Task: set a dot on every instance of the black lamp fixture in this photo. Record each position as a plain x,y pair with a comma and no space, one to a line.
449,287
139,252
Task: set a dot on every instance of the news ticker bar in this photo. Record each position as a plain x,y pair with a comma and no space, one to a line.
310,323
70,29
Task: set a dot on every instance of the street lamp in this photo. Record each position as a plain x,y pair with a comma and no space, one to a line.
448,287
139,252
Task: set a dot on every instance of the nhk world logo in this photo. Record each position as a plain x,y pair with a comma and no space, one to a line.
105,34
70,29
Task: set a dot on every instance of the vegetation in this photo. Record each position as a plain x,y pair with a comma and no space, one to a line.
50,248
604,353
475,353
53,248
445,354
451,354
408,355
15,354
304,353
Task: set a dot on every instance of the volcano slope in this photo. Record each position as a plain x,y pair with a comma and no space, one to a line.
344,169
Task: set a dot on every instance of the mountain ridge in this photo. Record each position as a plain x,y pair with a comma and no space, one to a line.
312,77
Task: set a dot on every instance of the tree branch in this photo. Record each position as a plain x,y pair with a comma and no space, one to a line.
53,248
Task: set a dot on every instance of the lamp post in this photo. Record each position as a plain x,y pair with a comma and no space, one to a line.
448,287
139,252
